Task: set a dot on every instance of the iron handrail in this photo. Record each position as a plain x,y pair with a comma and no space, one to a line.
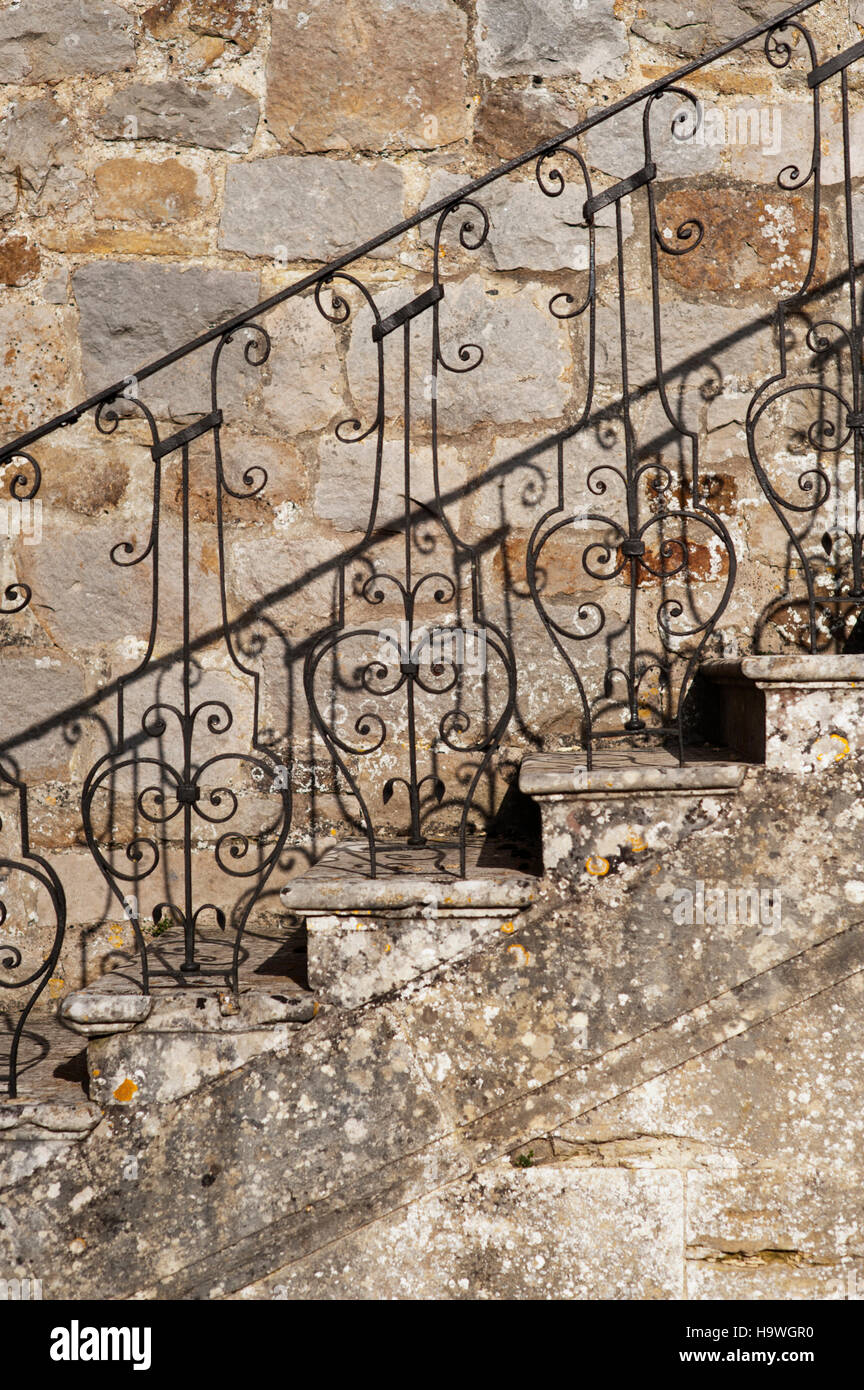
110,393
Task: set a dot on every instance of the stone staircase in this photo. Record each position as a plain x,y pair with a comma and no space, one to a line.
442,1053
349,939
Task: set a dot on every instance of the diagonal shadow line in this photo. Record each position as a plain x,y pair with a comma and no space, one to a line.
522,458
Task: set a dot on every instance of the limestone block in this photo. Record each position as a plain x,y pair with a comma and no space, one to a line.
543,1232
222,117
131,313
367,74
187,1038
74,38
528,230
130,190
524,374
551,37
308,209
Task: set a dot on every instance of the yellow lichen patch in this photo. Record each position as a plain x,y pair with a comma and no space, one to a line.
522,956
597,867
834,749
56,986
126,1090
96,1072
636,842
387,949
508,928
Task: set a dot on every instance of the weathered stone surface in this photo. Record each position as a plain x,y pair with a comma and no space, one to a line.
515,487
346,476
702,25
372,1116
90,603
429,878
108,242
551,38
507,123
184,1041
36,381
764,141
308,209
705,348
38,138
43,1121
523,375
304,387
617,147
791,713
130,314
220,117
71,38
19,261
367,937
94,1014
237,21
81,479
751,242
532,1234
557,774
814,1216
528,230
760,1099
131,190
402,85
36,693
354,959
295,582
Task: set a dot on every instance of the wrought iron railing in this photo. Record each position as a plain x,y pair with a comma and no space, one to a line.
658,557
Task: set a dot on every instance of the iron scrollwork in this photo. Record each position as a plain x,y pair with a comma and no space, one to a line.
409,658
198,783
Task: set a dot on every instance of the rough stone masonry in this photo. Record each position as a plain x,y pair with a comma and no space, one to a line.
164,166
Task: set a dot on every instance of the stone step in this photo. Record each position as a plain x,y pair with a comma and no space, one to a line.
368,936
46,1122
633,802
156,1047
628,771
791,713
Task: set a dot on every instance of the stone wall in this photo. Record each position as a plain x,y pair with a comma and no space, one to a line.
163,167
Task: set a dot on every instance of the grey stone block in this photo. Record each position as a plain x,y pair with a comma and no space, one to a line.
69,38
310,208
220,117
551,37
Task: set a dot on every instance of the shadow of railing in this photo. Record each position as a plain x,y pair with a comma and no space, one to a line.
626,529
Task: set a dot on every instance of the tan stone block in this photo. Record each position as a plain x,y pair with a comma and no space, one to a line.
35,356
131,190
237,21
508,123
752,242
19,261
122,242
81,479
359,74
